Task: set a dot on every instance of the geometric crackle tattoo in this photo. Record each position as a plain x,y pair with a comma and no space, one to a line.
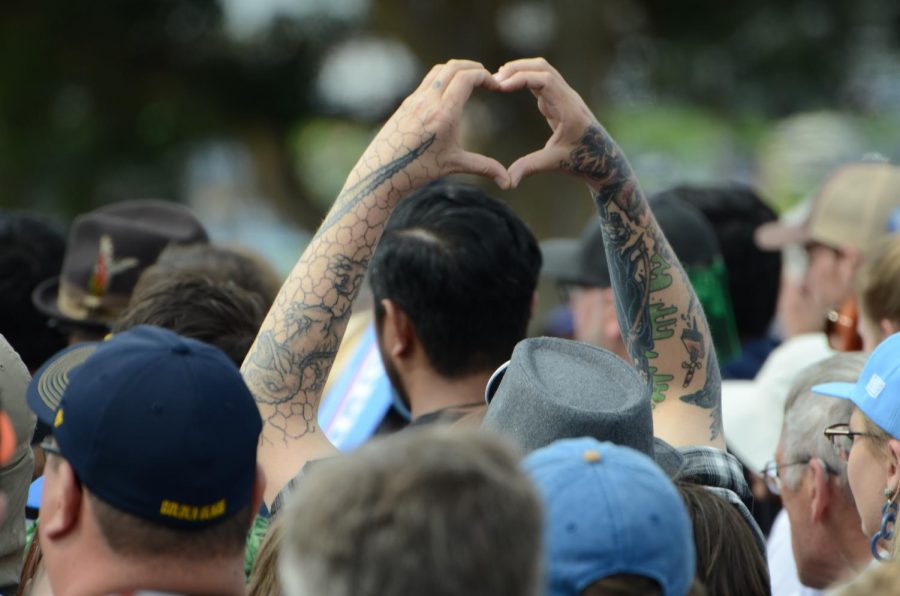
640,261
288,367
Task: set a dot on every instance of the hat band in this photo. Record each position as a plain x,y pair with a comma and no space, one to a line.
77,304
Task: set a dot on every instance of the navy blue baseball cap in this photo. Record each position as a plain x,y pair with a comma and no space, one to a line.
154,424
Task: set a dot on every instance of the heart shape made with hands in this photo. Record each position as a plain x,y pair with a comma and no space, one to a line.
569,118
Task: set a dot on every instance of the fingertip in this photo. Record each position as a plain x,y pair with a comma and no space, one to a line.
488,80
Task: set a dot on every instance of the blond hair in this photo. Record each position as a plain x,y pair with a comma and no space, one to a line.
264,577
880,282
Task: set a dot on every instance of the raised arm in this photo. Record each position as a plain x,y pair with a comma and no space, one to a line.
662,321
288,363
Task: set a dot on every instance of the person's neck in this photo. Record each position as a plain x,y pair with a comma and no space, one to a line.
112,575
429,392
852,549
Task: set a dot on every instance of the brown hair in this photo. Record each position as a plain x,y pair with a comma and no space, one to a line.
728,559
238,265
219,313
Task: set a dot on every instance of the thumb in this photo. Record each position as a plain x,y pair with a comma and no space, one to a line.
480,165
542,160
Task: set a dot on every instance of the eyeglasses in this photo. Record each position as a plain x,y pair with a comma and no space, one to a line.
842,438
773,478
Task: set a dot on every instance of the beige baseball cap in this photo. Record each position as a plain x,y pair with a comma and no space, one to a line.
857,206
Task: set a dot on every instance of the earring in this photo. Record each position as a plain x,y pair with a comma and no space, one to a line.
886,531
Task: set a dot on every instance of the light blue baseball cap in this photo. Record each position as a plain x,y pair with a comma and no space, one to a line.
877,392
608,510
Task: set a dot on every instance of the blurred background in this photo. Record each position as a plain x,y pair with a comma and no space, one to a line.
254,111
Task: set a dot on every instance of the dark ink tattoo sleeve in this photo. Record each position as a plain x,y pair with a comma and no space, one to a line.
661,320
289,363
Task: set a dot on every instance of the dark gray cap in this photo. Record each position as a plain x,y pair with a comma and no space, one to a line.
557,389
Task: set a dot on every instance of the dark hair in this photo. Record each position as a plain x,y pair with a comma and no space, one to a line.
132,536
463,266
244,268
754,275
193,305
31,251
728,560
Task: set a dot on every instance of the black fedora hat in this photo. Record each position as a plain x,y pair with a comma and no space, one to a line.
555,389
106,253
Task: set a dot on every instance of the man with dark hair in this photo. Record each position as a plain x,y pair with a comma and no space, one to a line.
663,324
453,283
151,480
194,305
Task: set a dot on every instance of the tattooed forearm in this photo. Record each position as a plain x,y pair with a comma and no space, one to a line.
662,323
351,196
288,365
708,397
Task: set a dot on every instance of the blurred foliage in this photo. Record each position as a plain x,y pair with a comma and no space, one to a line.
99,100
103,100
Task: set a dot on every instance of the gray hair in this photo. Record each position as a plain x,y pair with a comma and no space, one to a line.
435,511
806,414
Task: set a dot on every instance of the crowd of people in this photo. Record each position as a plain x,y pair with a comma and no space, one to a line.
717,410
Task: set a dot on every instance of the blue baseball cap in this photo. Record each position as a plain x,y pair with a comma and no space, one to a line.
877,392
154,424
609,510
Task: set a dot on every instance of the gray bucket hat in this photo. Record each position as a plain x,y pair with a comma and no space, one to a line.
555,389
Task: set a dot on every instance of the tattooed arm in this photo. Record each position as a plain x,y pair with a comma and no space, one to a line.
662,321
288,363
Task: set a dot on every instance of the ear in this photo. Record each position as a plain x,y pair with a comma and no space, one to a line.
888,328
61,502
820,491
893,467
396,329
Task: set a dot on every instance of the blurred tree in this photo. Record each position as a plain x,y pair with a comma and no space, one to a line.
102,100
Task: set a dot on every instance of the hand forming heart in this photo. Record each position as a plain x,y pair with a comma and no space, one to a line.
423,134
